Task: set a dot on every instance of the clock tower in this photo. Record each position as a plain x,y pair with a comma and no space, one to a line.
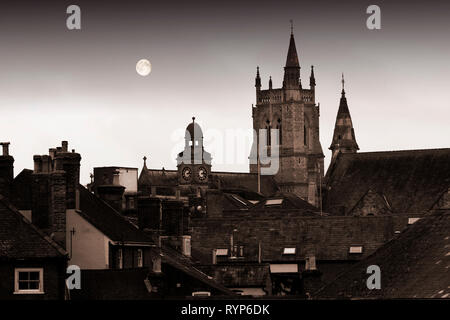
193,163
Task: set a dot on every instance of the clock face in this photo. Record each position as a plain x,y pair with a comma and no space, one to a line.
202,173
186,173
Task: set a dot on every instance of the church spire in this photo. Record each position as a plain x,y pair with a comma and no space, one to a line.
292,67
344,135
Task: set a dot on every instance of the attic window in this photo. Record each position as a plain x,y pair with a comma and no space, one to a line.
355,249
412,220
289,250
274,202
221,252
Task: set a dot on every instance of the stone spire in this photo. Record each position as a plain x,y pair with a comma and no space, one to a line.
292,67
344,135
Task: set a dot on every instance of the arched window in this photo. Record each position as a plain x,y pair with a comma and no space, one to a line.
305,135
268,136
280,141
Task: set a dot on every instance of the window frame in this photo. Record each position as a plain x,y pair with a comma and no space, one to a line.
119,258
29,291
140,258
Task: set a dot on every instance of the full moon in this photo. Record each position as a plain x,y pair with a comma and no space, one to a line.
143,67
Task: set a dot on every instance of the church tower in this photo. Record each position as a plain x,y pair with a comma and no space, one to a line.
292,111
344,140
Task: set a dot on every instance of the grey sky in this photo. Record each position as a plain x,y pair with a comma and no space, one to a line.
82,86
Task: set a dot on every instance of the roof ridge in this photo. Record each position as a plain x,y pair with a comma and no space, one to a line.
403,151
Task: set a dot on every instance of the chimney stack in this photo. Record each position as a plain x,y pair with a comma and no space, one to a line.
112,193
5,147
54,190
149,213
6,170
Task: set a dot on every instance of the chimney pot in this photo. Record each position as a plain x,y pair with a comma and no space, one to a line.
116,176
5,146
64,145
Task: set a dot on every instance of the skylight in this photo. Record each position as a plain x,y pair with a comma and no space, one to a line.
355,249
273,202
289,251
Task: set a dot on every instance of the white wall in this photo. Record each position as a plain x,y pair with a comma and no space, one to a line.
128,177
88,247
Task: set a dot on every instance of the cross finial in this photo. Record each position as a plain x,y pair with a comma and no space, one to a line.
343,81
292,26
193,119
145,160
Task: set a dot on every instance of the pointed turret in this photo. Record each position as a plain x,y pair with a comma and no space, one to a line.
270,83
257,79
344,135
312,79
145,163
292,68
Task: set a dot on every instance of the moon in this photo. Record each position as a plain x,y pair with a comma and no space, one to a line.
143,67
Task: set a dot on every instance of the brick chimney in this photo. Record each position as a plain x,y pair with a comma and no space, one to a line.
149,213
6,170
172,217
54,188
70,163
112,193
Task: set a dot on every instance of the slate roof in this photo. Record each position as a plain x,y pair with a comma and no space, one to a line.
19,239
108,220
184,264
21,190
413,265
231,181
411,180
329,238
